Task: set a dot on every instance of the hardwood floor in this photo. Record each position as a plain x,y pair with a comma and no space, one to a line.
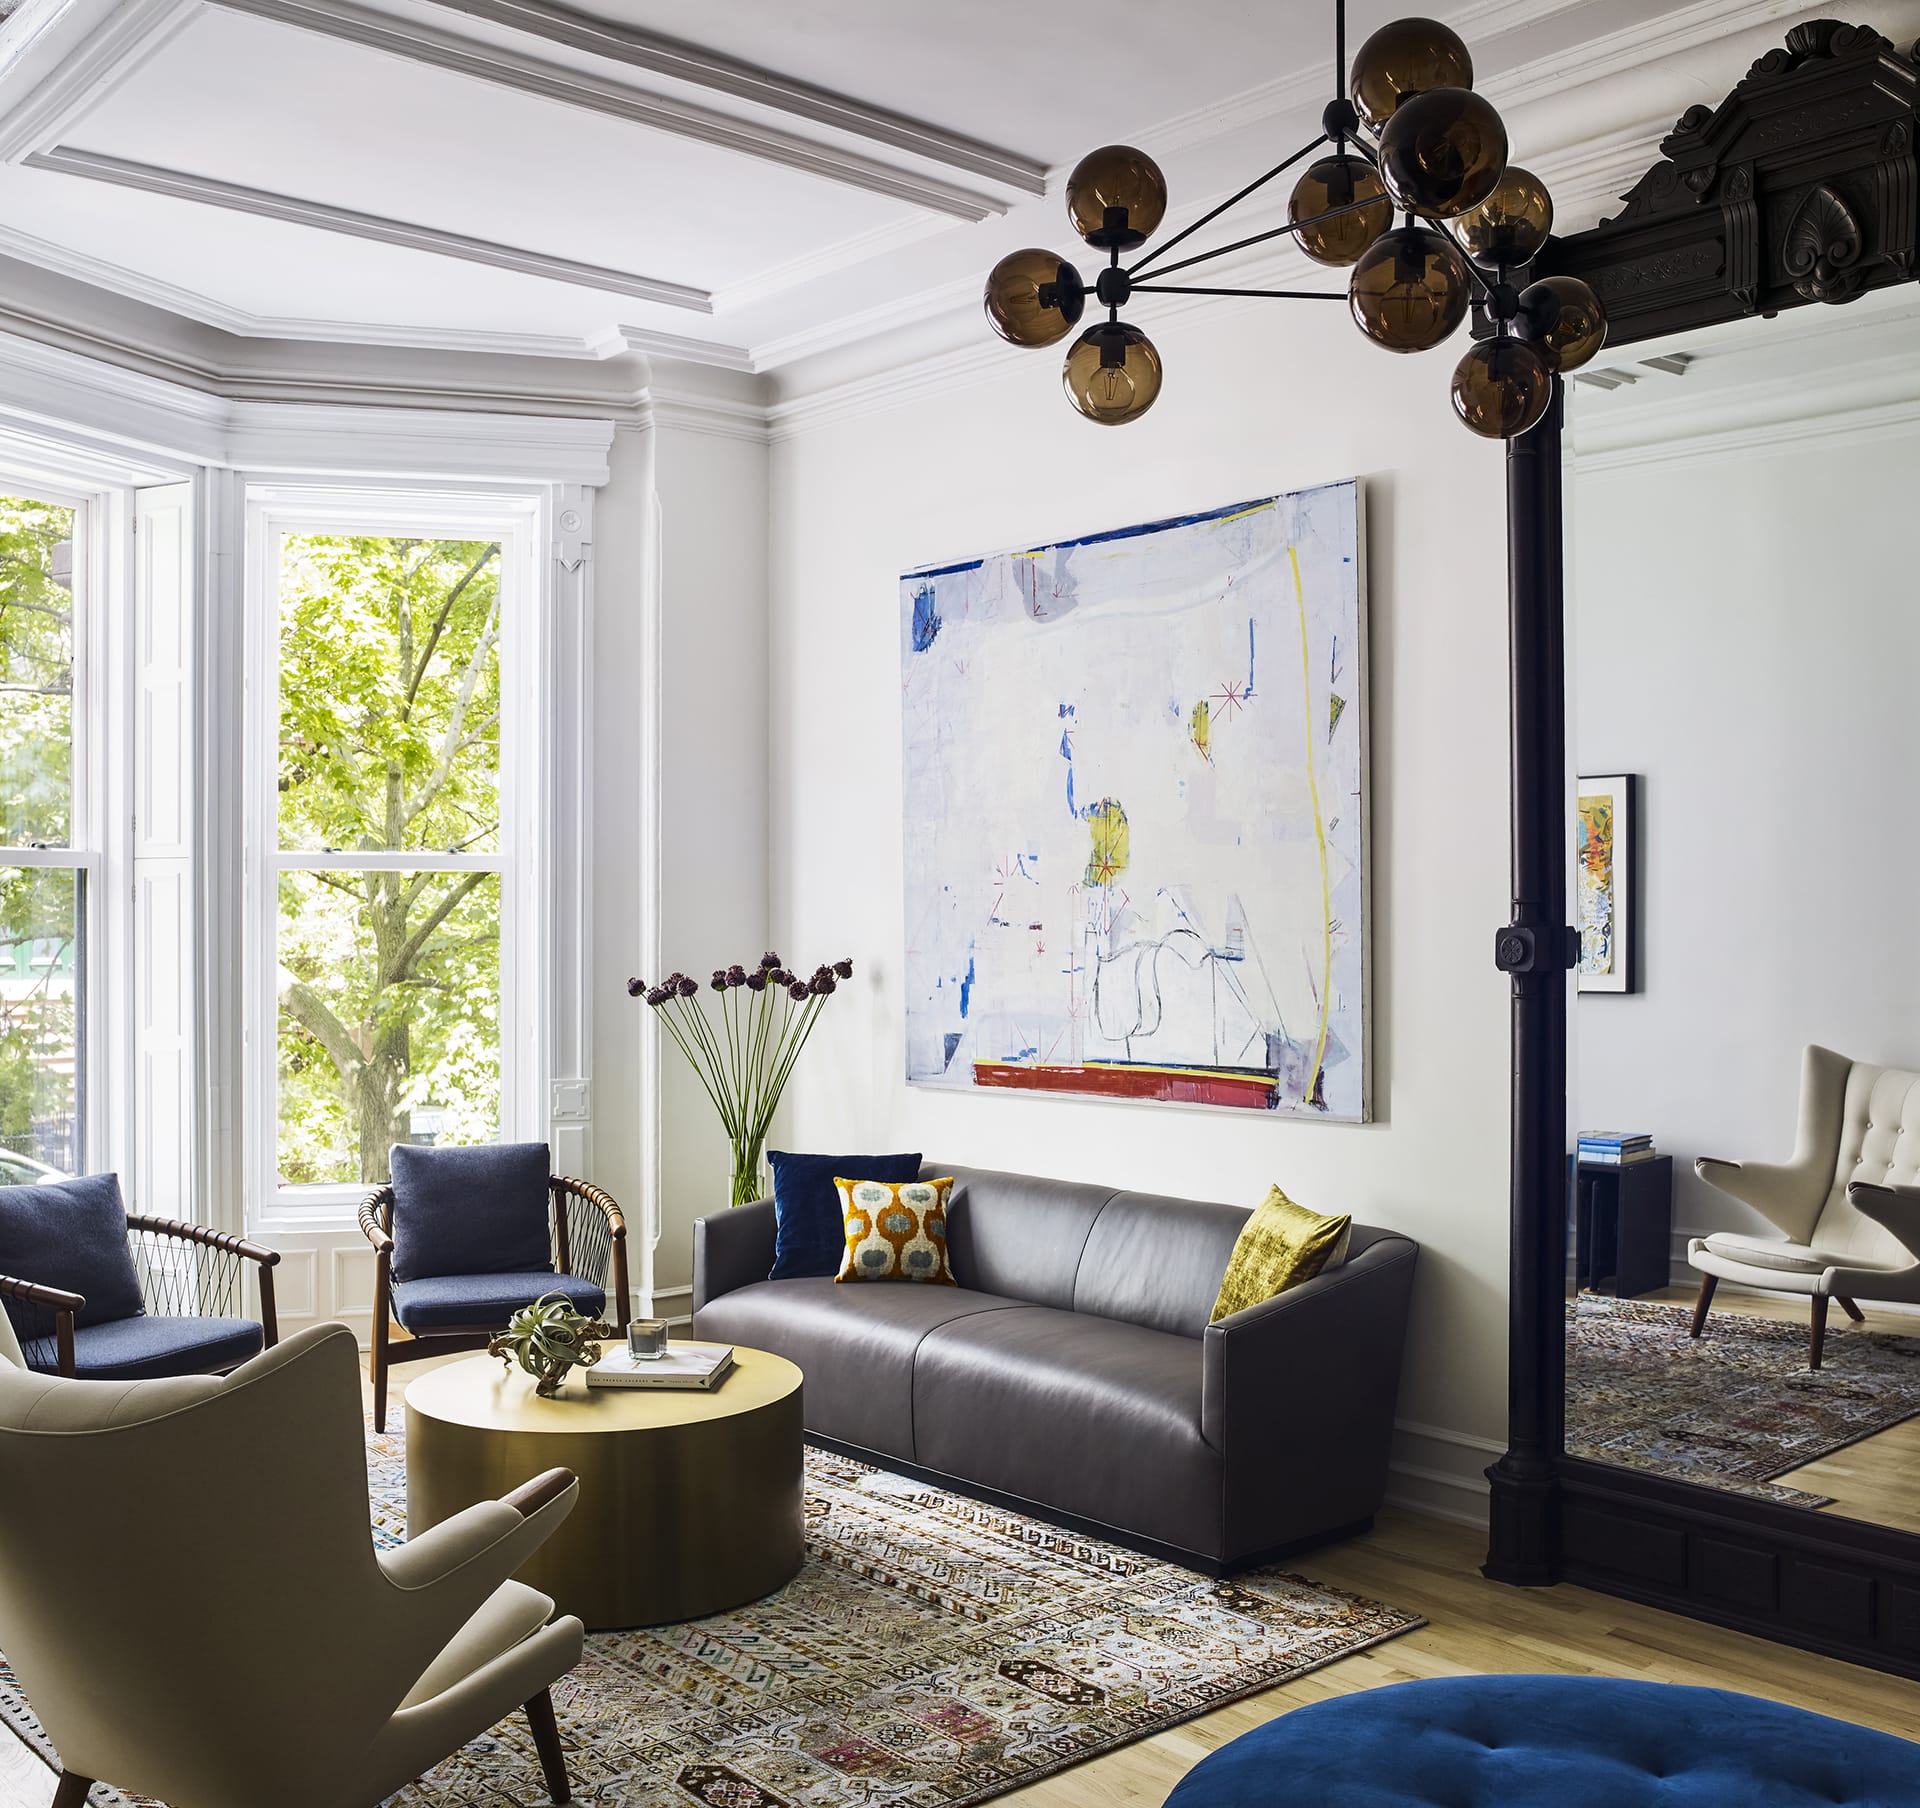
1429,1566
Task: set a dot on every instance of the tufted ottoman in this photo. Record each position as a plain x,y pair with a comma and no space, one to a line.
1554,1742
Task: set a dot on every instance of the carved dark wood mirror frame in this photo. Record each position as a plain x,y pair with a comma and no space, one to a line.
1799,188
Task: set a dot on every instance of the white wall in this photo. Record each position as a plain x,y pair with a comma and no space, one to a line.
1744,635
1255,402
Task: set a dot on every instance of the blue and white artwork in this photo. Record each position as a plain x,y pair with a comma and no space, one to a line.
1135,795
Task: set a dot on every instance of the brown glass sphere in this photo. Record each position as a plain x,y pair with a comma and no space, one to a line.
1336,182
1410,289
1408,57
1579,324
1113,373
1034,297
1508,228
1116,196
1501,388
1443,153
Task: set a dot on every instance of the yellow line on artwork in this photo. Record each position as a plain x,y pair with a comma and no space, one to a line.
1319,828
1241,514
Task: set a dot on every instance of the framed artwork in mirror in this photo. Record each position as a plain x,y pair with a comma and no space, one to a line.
1607,852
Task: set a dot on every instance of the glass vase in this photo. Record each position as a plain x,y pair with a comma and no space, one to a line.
750,1180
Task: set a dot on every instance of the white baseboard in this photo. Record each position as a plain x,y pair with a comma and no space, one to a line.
1440,1472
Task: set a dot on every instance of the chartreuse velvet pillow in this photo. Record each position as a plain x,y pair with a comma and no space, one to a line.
896,1231
1280,1246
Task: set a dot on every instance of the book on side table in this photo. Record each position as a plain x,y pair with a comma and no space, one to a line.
690,1367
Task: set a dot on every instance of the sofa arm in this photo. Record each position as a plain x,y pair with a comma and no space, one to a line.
731,1249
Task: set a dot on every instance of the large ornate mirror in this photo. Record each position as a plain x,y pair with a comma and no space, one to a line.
1716,1330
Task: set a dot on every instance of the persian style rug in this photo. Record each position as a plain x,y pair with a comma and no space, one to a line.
932,1652
1733,1408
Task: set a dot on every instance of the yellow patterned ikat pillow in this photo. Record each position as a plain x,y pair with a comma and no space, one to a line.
1280,1246
895,1232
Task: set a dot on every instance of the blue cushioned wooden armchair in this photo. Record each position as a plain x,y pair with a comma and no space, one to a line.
97,1294
464,1237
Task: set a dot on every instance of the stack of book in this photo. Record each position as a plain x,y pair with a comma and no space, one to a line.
698,1367
1615,1148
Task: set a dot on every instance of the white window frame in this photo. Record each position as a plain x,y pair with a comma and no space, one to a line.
515,517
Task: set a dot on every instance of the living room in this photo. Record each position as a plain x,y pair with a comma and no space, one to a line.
568,662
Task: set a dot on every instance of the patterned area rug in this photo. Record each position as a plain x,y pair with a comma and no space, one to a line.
932,1652
1734,1408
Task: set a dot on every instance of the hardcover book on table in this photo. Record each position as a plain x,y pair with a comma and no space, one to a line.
684,1367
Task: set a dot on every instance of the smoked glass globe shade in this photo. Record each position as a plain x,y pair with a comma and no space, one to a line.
1508,228
1410,56
1410,289
1336,182
1443,153
1113,373
1580,327
1116,196
1501,387
1033,297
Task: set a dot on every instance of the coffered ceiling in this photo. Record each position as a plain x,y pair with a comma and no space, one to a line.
737,184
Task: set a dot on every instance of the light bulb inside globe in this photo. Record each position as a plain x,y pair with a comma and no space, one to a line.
1112,374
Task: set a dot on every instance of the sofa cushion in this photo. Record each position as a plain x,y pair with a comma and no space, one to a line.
1088,1415
1019,1236
808,1238
1280,1246
71,1235
1157,1262
854,1345
443,1302
150,1347
478,1210
897,1232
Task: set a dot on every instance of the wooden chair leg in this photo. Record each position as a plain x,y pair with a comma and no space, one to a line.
73,1790
1817,1333
377,1360
1850,1309
546,1741
1707,1284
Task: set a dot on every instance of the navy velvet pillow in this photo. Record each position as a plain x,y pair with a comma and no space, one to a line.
808,1237
479,1210
71,1234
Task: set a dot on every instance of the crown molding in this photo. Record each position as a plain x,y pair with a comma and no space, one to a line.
508,67
59,58
152,178
720,74
718,417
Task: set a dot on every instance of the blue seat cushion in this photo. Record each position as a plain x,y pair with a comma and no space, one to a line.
444,1302
809,1235
479,1210
1554,1742
71,1234
150,1347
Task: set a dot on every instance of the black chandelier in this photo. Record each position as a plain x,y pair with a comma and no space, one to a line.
1408,136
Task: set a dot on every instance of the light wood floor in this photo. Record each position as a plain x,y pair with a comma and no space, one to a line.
1877,1479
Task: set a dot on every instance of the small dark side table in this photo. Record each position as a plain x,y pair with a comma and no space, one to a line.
1623,1226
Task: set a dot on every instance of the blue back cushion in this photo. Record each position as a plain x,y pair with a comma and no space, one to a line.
72,1234
808,1237
480,1210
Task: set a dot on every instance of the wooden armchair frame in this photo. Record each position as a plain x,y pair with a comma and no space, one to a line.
376,1222
65,1305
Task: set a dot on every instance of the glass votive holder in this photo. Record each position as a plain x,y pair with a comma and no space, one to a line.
647,1339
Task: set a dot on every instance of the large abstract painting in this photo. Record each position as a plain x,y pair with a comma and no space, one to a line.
1136,813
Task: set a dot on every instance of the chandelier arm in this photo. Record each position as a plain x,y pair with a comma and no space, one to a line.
1276,294
1231,201
1201,257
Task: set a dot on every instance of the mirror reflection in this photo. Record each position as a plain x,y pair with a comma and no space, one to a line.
1744,1045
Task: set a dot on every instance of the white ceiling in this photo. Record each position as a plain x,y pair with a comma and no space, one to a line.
739,183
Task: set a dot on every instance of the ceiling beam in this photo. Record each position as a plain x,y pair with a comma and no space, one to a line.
151,178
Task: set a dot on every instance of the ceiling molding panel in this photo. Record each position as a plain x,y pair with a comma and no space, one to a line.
507,68
60,58
122,172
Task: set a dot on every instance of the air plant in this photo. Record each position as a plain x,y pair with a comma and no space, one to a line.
549,1338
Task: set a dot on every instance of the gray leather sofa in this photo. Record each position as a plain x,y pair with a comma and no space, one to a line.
1072,1372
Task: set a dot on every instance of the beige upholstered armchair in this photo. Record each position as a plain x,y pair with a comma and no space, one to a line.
191,1598
1846,1207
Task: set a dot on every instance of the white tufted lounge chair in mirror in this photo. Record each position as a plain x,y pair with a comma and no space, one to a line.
1847,1206
192,1602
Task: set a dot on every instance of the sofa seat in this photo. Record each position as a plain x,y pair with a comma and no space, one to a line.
855,1343
151,1347
1109,1418
441,1302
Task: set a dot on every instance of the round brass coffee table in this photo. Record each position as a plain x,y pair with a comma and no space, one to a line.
690,1503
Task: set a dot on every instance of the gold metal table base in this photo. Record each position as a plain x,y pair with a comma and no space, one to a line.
689,1503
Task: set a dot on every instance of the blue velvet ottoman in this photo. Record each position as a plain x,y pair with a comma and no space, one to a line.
1554,1742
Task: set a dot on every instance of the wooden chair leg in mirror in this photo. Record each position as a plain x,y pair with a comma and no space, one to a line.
1817,1334
546,1741
72,1792
1851,1309
1707,1284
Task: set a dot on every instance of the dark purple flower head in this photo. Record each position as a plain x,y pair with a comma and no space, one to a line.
757,980
769,961
797,990
636,988
658,996
718,982
781,977
687,986
821,985
844,968
736,976
719,976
